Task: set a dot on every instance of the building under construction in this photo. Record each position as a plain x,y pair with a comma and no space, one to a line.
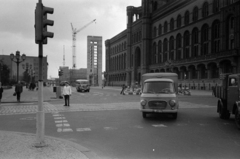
94,60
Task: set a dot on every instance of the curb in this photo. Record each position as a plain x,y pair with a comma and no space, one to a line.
88,153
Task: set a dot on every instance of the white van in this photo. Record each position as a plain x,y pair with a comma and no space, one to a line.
82,85
159,94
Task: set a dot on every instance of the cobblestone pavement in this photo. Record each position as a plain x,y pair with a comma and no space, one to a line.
30,108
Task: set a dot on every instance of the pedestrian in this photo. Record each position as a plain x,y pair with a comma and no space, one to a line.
1,91
18,90
66,92
123,88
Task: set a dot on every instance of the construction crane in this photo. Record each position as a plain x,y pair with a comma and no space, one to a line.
74,33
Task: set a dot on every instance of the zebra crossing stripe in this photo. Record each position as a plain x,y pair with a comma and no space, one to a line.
83,129
61,121
64,130
63,125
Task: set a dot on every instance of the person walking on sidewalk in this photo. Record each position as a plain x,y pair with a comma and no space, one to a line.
18,90
1,91
123,89
67,91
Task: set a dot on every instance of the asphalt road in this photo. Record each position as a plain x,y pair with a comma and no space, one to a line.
123,133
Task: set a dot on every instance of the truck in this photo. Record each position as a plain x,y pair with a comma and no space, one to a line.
159,94
228,94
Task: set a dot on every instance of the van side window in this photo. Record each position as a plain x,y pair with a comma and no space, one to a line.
233,82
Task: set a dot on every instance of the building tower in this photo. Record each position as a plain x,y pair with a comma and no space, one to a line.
94,60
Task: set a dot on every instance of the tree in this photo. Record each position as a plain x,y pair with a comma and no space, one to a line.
4,74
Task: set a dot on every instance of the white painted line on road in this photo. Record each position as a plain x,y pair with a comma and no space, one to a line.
57,115
63,125
83,129
5,104
64,130
159,125
58,118
61,121
28,118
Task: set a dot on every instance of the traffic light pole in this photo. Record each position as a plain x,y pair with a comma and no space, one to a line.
40,112
41,35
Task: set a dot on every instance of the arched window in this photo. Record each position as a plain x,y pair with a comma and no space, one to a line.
165,27
155,5
231,32
165,50
186,45
186,18
159,51
216,37
195,42
205,40
216,7
195,14
179,47
172,24
205,9
171,48
154,32
179,21
154,54
160,29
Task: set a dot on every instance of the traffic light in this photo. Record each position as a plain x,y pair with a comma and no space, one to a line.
60,72
41,23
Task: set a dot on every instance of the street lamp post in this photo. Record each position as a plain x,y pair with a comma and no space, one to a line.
17,59
29,71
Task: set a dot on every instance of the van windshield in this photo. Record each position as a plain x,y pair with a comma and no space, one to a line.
158,87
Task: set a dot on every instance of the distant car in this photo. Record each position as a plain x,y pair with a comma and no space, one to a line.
82,86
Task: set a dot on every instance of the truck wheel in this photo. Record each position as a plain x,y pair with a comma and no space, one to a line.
144,115
237,118
223,113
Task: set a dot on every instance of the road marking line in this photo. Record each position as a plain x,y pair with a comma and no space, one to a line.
57,118
83,129
61,121
57,115
64,130
159,125
63,125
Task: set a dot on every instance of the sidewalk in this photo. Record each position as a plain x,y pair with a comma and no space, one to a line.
16,145
193,92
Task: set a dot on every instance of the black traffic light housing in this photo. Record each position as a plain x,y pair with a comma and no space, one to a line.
41,23
60,72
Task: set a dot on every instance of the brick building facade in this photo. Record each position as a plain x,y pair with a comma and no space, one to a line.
197,39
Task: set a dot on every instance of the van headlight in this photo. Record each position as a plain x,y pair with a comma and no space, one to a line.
143,102
172,103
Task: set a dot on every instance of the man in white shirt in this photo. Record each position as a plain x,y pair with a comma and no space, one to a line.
67,91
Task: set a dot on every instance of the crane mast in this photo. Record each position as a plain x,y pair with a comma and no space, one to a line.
74,33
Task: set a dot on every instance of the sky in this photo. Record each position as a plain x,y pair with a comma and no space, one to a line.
17,32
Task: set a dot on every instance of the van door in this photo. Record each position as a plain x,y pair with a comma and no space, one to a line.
232,92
